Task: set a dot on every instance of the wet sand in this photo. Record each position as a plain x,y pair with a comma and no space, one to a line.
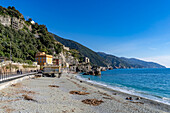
68,95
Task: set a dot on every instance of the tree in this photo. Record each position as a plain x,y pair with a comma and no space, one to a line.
30,19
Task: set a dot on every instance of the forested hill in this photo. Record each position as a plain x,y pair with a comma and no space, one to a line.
24,43
114,61
95,59
122,62
32,37
103,59
144,64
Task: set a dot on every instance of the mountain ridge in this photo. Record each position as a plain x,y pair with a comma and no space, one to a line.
143,63
86,52
36,38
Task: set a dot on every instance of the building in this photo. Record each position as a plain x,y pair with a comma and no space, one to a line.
5,20
56,61
66,48
43,59
86,60
13,22
51,69
32,22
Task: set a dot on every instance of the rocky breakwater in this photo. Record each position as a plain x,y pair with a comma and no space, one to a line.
94,71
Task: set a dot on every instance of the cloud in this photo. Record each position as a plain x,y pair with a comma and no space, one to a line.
163,60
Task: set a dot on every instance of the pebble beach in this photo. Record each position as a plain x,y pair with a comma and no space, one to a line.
70,95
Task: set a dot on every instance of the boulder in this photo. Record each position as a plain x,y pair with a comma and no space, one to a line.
97,72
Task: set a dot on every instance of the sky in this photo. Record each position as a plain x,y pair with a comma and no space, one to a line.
125,28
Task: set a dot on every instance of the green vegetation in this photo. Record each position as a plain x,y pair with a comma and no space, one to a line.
11,11
122,62
29,66
10,66
136,63
95,59
24,45
75,54
114,61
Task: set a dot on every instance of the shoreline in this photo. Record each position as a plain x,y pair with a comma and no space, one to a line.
154,103
56,95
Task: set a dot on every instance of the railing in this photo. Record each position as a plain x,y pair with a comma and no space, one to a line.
13,75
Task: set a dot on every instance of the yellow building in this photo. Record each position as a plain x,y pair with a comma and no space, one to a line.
43,59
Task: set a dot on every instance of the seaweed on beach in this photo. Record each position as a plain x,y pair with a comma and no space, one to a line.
16,85
93,102
78,93
53,86
29,98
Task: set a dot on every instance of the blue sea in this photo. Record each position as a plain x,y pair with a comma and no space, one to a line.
153,84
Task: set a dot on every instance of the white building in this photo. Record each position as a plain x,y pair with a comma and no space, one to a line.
66,48
86,60
32,22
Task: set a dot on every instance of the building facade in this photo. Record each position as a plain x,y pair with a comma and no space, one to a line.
43,59
56,61
86,60
13,22
5,20
66,48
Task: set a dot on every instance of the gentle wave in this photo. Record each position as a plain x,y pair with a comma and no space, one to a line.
160,99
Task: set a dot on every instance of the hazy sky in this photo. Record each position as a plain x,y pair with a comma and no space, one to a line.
129,28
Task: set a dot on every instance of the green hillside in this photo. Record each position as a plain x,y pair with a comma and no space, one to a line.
95,59
114,61
143,64
24,44
122,62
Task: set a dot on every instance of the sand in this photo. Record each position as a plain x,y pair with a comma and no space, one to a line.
69,95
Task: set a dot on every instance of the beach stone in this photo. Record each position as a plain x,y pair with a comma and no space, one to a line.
138,98
128,98
114,93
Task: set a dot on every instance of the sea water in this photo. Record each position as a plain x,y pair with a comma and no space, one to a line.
152,84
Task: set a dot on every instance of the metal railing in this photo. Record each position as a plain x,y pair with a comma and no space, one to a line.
13,75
